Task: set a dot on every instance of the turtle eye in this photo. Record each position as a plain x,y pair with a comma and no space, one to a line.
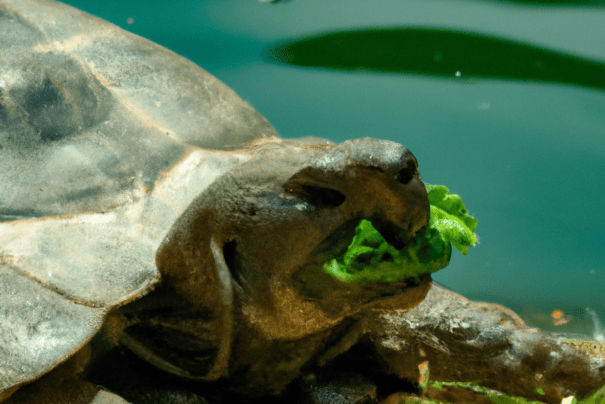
322,197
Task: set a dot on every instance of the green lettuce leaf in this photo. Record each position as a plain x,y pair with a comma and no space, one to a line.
450,218
370,258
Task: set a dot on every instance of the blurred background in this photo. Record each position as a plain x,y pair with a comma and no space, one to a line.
501,101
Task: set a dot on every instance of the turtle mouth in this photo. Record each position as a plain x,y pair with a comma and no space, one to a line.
340,240
377,258
375,276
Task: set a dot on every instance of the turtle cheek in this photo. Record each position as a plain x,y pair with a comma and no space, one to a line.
278,244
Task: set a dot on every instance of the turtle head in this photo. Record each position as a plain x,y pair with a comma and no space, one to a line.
249,254
297,209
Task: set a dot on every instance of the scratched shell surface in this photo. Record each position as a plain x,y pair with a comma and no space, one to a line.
32,318
105,109
105,138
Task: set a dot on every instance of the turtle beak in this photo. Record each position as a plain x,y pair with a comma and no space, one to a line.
378,181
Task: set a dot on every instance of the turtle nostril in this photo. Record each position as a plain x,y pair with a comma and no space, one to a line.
405,176
409,170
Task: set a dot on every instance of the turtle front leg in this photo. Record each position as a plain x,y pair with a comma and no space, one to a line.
468,341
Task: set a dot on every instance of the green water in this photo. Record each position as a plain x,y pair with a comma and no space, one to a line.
514,122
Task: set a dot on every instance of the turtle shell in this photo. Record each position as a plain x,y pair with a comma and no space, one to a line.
94,119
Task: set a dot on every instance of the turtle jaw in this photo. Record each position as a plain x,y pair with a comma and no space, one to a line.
337,293
337,243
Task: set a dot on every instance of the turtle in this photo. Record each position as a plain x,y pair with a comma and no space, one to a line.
152,217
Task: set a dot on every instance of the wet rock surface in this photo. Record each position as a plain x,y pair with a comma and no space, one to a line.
472,341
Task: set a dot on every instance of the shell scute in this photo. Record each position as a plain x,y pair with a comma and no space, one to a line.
122,106
32,318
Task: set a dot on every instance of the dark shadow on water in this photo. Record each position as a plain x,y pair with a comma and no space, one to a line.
438,53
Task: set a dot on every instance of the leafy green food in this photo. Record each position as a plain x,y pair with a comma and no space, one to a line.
450,218
370,258
598,397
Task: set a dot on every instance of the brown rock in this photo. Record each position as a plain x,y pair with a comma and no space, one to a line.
471,341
